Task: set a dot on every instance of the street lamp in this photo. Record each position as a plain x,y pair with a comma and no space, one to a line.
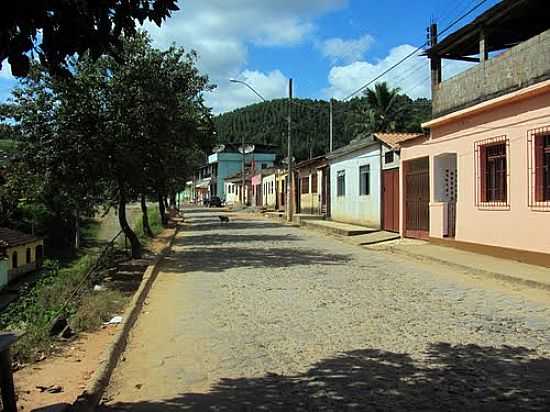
290,186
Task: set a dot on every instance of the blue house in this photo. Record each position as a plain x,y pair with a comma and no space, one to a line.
227,160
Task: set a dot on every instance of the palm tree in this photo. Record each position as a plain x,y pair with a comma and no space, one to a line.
382,111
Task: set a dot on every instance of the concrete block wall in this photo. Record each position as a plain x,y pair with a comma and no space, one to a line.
521,66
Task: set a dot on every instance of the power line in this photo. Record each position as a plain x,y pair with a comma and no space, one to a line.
408,56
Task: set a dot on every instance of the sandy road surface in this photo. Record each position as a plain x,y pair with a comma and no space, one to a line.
257,316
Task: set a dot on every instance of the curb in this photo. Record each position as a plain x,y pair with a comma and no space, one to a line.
470,270
90,398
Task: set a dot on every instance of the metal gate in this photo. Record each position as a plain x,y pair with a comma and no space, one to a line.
417,198
391,200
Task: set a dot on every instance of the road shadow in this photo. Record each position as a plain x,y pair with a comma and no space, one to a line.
224,239
458,378
217,226
220,259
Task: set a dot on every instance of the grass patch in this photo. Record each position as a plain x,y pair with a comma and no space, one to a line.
96,308
43,300
37,307
154,223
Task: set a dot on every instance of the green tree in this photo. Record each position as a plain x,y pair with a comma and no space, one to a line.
56,30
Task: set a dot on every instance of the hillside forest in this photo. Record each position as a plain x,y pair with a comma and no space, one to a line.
266,122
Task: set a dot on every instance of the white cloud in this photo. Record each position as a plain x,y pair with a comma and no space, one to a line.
412,76
5,72
221,31
338,49
229,96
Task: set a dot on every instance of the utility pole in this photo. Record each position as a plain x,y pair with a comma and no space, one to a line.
243,180
290,186
331,126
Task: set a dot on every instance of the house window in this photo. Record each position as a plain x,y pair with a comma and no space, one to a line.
305,185
314,184
28,255
341,183
492,172
364,180
389,157
495,179
14,262
272,187
542,168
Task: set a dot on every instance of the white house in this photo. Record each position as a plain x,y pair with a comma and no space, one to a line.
364,180
355,183
269,192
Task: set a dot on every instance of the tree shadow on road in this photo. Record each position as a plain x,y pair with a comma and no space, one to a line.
224,239
215,225
220,259
457,378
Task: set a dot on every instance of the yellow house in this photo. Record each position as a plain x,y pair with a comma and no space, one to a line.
24,253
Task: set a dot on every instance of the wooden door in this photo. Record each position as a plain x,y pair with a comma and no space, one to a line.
417,198
391,200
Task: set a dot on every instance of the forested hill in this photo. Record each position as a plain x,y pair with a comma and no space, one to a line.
266,123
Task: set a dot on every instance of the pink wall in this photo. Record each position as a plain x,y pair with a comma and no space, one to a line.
519,226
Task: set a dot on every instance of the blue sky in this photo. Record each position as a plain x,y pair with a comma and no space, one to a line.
329,47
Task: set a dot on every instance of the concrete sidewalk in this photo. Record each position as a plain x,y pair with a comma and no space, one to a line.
337,228
504,269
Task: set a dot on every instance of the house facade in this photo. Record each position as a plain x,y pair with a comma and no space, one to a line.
23,253
269,192
227,160
482,177
313,186
355,172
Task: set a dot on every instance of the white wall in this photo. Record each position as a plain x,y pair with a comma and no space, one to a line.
353,208
231,196
269,192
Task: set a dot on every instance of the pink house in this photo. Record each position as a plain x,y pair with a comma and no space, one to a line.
481,180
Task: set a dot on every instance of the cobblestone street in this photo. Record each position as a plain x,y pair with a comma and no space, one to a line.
252,315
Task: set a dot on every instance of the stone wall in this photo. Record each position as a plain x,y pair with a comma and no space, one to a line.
521,66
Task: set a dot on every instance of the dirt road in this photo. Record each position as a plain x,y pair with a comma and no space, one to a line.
252,315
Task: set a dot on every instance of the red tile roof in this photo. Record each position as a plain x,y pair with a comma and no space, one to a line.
394,140
15,238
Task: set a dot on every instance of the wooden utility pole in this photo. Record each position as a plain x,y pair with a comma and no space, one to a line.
290,186
435,60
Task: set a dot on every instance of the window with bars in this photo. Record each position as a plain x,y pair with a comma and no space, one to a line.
389,157
542,168
314,184
364,180
495,173
341,183
304,183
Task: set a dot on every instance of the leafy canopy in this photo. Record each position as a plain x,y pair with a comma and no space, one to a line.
55,30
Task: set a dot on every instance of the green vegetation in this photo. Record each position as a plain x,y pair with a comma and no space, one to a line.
114,132
34,312
54,31
155,223
266,122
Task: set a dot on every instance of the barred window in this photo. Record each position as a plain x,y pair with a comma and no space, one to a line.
542,168
341,183
364,180
495,176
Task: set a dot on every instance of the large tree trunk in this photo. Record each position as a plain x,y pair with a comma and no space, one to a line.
162,209
145,218
135,245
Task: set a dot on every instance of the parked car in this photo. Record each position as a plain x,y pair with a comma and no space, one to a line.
215,202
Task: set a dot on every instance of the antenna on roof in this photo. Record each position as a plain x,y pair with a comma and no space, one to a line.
219,148
247,148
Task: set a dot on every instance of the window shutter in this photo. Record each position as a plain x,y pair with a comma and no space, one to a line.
539,168
483,173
